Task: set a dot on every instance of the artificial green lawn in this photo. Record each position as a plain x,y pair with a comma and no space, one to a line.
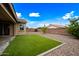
29,45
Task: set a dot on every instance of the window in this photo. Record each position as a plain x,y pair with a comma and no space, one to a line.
21,27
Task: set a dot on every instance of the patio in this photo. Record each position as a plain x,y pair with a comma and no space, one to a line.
4,42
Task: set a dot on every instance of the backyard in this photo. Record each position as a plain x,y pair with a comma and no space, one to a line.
29,45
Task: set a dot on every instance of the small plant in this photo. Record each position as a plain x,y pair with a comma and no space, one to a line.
44,29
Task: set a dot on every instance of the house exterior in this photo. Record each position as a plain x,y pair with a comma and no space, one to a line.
9,21
20,27
54,26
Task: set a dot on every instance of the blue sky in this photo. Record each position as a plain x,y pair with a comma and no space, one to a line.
38,14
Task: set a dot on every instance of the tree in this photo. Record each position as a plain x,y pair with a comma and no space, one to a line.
73,27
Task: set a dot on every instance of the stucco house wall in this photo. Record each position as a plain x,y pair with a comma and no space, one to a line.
19,31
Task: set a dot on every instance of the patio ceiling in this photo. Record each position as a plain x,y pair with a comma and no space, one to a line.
5,15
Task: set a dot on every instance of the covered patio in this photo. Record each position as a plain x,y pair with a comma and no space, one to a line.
7,20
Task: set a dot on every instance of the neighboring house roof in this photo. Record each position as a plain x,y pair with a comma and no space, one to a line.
22,21
55,26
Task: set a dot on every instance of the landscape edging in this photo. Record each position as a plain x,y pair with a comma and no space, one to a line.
50,50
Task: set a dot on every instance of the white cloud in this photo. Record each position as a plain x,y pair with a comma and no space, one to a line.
31,22
42,24
19,15
76,17
35,24
68,15
34,14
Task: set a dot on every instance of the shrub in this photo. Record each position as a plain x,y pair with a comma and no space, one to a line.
44,29
73,27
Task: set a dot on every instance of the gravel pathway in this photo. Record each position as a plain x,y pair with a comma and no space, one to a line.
71,47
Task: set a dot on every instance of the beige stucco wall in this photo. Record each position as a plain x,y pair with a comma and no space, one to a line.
12,29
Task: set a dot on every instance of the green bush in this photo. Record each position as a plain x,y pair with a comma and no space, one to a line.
44,29
73,27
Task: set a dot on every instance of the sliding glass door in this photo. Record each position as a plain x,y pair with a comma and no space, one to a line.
4,29
1,26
